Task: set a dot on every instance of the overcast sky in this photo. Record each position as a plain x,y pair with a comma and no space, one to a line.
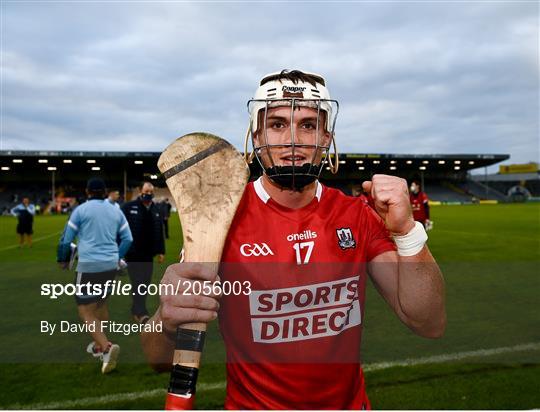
411,77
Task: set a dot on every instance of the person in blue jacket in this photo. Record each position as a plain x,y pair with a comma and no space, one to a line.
97,224
25,213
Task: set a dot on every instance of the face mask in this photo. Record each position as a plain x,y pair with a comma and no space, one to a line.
147,197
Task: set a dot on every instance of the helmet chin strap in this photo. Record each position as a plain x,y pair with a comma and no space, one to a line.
291,177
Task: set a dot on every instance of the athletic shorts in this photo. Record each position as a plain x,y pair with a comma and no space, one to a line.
93,286
24,228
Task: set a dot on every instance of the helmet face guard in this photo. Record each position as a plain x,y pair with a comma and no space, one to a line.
307,147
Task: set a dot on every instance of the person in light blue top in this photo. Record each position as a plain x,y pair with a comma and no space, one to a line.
25,227
113,197
97,224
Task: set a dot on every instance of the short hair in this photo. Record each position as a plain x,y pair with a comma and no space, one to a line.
145,182
96,187
294,76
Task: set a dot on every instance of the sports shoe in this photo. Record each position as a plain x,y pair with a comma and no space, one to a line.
91,349
110,358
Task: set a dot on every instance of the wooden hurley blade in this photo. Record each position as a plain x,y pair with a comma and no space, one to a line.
206,176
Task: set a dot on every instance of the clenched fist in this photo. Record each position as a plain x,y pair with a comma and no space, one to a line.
391,197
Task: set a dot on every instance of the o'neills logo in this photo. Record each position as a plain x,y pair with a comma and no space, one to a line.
305,312
306,234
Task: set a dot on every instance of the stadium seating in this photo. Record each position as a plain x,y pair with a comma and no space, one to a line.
444,192
481,191
437,190
533,186
11,197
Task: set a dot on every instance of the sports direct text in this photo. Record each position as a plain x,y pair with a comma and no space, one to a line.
119,288
306,312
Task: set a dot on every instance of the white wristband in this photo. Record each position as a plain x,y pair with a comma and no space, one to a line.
413,242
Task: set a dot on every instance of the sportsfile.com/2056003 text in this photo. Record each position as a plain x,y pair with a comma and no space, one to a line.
119,288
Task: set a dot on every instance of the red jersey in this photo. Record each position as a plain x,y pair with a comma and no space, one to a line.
418,204
293,342
367,199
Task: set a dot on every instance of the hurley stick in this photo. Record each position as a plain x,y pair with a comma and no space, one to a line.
206,177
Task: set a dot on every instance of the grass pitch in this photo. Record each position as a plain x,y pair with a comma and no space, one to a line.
490,257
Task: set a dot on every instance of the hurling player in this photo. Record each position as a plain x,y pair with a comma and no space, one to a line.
293,337
420,205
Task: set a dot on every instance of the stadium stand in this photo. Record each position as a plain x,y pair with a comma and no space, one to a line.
503,183
533,186
38,173
445,192
10,196
481,191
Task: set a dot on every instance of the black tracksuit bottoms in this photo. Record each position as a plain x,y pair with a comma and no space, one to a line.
140,273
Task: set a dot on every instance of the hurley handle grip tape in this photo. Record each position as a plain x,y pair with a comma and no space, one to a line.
183,381
190,339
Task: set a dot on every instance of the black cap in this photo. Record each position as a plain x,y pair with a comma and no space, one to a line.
95,184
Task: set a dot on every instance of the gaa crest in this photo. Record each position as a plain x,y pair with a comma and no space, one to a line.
345,238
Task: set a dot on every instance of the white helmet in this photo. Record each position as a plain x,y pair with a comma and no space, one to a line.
293,89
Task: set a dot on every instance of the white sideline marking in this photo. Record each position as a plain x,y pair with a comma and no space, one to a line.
33,241
105,400
451,357
131,396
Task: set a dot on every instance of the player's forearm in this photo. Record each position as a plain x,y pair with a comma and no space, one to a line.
64,245
158,347
421,294
125,244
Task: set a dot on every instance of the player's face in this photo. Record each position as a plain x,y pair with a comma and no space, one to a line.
278,131
26,201
114,195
